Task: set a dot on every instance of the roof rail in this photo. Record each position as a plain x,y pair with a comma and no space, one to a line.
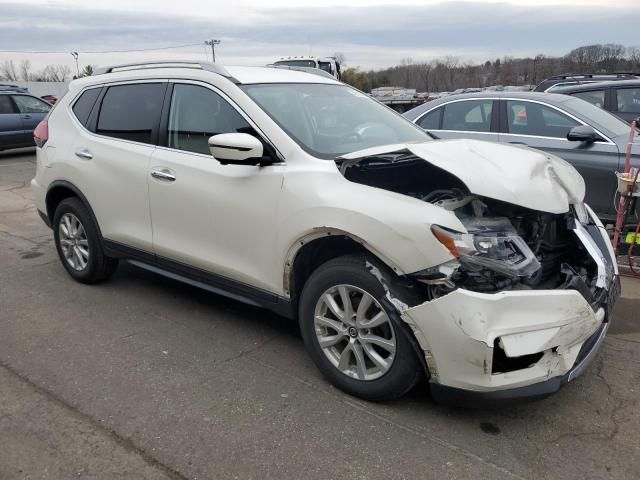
199,65
591,75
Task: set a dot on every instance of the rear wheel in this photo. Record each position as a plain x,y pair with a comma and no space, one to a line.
353,333
78,243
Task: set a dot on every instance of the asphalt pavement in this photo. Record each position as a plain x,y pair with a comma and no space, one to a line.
142,378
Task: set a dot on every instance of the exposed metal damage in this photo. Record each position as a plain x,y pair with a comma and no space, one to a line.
524,289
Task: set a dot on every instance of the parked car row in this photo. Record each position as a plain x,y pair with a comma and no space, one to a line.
589,138
20,113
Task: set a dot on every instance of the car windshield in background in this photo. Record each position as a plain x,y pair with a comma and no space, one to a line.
610,125
332,120
298,63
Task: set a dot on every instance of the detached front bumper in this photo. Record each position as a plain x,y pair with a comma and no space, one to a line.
485,348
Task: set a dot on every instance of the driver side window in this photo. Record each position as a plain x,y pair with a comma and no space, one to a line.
197,113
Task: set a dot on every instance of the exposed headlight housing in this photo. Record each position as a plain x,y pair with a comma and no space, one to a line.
491,243
581,212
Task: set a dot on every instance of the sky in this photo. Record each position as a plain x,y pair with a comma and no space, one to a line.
370,33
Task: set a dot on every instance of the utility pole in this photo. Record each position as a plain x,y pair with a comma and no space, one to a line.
213,44
75,57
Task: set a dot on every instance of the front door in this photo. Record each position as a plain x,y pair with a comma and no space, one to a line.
216,218
545,127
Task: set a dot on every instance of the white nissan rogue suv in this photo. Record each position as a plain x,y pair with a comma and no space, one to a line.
474,265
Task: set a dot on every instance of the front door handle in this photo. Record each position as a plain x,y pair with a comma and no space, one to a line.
163,174
517,143
27,117
84,154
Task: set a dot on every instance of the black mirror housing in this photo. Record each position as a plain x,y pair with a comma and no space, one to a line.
582,133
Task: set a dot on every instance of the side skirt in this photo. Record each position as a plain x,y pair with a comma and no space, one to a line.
202,279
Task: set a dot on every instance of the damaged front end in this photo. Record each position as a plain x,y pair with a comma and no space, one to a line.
524,302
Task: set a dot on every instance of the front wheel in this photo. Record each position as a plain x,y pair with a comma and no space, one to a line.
353,334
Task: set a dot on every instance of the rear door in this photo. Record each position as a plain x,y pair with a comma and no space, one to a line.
468,118
11,129
626,102
32,112
111,156
545,127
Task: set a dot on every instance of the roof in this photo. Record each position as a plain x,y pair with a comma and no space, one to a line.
277,75
241,75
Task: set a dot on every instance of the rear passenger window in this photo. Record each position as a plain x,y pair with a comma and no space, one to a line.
595,97
431,121
468,116
84,104
198,113
5,104
629,100
131,112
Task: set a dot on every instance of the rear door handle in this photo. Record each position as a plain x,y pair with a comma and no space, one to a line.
163,174
27,117
517,143
84,154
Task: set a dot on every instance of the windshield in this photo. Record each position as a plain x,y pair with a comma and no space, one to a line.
332,120
298,63
609,124
326,66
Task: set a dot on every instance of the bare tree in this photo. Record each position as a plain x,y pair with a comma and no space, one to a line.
8,71
87,71
55,73
340,58
25,70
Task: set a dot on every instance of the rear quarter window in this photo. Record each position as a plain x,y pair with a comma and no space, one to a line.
84,104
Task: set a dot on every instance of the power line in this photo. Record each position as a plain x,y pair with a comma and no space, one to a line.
104,51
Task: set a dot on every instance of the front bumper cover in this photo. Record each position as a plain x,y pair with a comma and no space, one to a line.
559,329
473,399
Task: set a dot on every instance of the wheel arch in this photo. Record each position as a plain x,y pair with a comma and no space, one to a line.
317,247
62,189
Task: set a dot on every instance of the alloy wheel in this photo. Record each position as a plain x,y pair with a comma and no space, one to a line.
73,241
354,332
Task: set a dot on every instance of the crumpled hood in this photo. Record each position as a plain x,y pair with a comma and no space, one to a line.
515,174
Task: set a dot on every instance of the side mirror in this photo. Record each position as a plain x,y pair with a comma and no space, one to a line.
582,133
235,148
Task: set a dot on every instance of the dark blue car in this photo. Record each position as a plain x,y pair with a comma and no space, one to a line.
20,113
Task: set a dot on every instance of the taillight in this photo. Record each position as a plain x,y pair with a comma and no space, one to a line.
41,133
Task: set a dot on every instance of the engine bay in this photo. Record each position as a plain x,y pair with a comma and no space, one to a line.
506,247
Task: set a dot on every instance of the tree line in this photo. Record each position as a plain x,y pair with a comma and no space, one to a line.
450,73
11,72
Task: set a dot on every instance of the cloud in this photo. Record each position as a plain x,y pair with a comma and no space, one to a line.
372,37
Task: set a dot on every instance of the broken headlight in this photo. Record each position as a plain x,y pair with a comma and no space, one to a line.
491,243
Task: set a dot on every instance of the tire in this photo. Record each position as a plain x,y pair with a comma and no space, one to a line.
352,275
92,267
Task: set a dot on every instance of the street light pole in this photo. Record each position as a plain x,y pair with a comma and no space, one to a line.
213,44
75,57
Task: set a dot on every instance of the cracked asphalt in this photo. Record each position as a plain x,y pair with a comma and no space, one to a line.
145,378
